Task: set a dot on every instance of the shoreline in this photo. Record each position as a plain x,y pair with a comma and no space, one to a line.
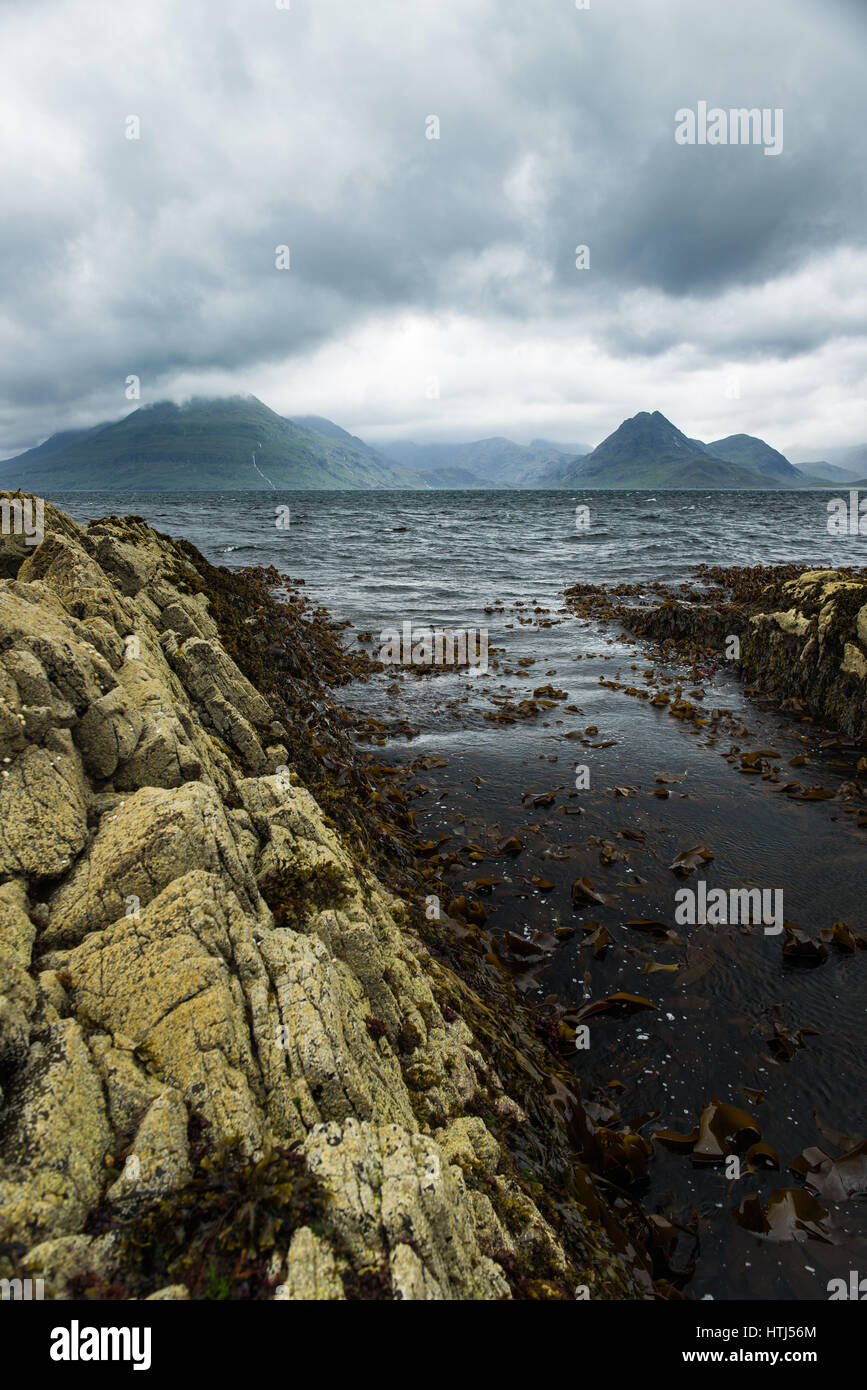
283,816
213,1002
796,634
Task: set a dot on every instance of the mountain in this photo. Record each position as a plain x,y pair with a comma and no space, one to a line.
495,461
226,444
824,474
561,473
53,446
648,451
838,465
237,443
567,450
458,480
851,460
318,424
750,452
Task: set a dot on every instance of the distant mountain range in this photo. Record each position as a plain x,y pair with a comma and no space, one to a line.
828,473
851,460
238,443
491,462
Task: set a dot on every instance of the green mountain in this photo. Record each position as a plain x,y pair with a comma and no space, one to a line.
54,446
754,453
561,473
205,445
648,451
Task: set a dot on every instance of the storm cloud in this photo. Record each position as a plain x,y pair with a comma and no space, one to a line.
433,288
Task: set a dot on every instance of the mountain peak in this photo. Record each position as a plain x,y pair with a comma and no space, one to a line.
751,452
648,450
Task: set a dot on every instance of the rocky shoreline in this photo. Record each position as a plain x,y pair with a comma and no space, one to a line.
235,1060
797,635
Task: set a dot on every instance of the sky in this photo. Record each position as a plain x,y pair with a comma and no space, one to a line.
430,290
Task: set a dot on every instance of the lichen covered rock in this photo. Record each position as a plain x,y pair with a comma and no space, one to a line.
814,650
214,1018
802,636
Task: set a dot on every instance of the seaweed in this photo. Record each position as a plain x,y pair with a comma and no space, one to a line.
218,1233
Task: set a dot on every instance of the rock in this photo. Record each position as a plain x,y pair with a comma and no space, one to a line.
17,543
151,839
18,992
108,733
129,1089
468,1142
187,618
66,1258
158,1160
792,622
854,662
43,810
206,672
801,639
169,983
52,1144
311,1271
78,581
390,1191
131,566
197,971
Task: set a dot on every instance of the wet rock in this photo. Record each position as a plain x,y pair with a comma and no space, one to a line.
18,991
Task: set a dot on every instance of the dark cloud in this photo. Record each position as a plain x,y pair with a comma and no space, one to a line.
261,127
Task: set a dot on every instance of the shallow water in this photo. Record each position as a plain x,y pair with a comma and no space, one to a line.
380,559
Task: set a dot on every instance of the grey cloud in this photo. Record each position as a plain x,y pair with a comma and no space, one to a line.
306,127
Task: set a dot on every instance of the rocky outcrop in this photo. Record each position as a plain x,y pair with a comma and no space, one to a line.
173,1043
812,647
801,634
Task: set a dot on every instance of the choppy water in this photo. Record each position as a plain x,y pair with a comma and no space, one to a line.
380,559
445,554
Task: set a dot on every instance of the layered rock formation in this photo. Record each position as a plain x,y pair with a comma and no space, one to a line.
802,634
177,1059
